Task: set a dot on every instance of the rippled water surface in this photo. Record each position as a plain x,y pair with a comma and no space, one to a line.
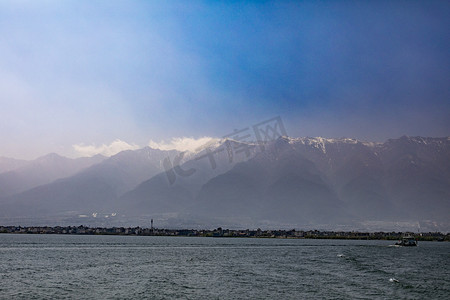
127,267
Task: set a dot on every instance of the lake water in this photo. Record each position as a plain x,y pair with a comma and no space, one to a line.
138,267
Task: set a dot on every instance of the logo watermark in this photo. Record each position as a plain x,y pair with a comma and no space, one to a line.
239,141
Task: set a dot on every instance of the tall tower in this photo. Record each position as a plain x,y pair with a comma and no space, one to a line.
152,224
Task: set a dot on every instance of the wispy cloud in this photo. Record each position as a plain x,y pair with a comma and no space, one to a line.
108,150
182,143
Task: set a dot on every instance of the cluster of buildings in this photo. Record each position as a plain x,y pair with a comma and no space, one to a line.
219,232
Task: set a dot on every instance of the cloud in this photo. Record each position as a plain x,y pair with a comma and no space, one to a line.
182,144
107,150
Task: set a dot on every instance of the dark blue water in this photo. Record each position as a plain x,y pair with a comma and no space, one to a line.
126,267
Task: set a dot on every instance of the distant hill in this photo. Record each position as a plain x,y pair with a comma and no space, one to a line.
28,174
93,188
9,164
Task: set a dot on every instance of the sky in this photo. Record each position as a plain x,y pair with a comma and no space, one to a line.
85,77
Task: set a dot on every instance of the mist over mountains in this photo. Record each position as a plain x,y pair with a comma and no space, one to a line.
19,175
289,182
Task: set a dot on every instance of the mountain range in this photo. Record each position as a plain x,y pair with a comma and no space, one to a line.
287,182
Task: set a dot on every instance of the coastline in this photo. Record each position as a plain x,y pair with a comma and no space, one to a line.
219,232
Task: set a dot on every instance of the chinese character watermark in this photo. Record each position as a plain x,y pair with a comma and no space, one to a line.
239,141
269,130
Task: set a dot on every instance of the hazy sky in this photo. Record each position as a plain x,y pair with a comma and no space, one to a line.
79,77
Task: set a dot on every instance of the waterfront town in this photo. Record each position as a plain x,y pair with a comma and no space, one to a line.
219,232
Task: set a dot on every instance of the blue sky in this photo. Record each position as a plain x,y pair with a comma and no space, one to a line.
91,73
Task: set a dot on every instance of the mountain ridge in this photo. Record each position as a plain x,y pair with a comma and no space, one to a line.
303,181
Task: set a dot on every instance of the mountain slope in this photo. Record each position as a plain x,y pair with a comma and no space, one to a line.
91,189
9,164
160,194
322,180
41,171
417,175
279,184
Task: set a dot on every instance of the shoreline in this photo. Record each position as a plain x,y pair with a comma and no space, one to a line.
219,232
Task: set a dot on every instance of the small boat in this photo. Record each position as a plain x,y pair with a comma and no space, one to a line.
407,241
